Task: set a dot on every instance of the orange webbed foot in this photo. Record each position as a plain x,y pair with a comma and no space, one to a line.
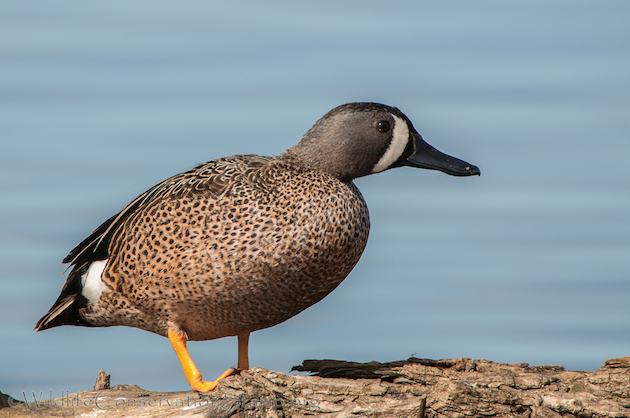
178,340
203,386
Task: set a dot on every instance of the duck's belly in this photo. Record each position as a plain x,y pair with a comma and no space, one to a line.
219,268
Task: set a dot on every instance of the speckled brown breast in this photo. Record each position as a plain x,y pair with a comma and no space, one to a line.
236,245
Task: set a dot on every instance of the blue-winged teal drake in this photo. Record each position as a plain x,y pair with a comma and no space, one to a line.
241,243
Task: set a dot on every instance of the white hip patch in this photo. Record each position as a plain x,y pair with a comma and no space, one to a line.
92,281
400,138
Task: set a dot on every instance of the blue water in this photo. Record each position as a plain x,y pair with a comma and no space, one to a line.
527,263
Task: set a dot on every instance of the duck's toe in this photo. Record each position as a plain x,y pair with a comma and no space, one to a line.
202,386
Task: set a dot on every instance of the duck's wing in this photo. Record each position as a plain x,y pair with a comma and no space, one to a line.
211,178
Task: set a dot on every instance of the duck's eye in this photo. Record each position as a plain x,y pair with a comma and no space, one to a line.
382,126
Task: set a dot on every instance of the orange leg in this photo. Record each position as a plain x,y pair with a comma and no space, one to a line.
243,358
178,340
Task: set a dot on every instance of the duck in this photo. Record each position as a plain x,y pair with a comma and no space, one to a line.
241,243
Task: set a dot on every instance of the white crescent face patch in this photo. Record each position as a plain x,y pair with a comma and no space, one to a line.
92,283
400,138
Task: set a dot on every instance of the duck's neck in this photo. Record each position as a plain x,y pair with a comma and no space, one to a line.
323,160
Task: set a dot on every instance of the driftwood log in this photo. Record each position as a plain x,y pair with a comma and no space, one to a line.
412,388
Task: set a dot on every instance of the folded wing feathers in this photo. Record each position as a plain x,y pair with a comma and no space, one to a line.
211,177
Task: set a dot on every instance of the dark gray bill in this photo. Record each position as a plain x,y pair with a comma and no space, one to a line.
428,157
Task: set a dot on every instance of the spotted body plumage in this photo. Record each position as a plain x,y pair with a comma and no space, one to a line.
241,243
244,255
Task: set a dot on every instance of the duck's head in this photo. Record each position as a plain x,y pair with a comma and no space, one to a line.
358,139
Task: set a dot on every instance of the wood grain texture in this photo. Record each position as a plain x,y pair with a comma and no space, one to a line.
412,388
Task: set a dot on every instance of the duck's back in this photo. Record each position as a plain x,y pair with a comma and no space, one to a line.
235,245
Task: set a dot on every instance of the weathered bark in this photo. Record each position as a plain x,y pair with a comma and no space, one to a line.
412,388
